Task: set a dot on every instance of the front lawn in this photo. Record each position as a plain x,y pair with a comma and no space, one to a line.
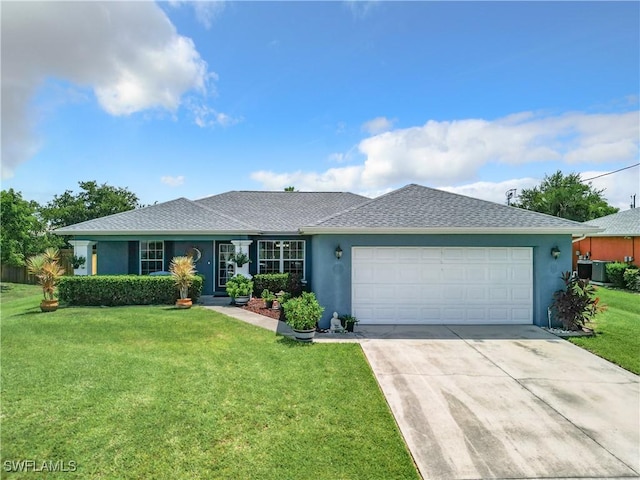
154,392
617,329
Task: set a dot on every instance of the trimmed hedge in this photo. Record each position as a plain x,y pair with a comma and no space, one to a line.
632,279
273,282
116,290
615,273
276,282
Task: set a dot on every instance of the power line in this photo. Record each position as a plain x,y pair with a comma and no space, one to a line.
609,173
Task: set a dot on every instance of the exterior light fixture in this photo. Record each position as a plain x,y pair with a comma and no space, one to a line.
338,252
555,252
577,253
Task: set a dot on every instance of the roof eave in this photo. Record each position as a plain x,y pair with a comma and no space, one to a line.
105,233
449,230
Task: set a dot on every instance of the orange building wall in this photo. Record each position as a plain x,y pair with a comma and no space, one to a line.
608,248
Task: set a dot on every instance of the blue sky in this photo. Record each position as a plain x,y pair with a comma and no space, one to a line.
192,99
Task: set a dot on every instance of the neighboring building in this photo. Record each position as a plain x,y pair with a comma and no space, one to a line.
618,241
415,255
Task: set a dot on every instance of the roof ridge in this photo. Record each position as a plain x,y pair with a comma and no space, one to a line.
213,210
346,210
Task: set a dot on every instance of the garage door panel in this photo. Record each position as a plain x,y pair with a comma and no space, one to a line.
430,274
453,274
499,254
465,285
454,255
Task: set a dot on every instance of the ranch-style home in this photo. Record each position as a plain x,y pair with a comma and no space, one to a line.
413,256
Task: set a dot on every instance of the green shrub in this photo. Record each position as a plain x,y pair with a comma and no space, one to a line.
615,273
274,282
302,313
115,290
632,278
577,304
239,286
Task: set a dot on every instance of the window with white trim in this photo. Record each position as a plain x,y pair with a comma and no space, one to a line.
281,256
151,257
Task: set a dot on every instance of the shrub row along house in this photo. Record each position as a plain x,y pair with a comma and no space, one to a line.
415,255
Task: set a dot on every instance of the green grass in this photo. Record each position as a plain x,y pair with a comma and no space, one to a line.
617,329
154,392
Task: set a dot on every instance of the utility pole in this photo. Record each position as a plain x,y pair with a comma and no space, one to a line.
633,201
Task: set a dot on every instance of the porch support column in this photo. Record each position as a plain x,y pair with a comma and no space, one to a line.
83,248
242,246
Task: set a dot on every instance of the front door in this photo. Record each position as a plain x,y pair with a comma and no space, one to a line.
225,269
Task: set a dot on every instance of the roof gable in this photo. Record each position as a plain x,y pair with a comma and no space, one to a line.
415,208
625,223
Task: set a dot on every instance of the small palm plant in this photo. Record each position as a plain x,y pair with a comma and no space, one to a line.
183,272
47,270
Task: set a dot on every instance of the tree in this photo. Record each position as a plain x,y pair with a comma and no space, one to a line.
565,197
93,201
22,233
290,189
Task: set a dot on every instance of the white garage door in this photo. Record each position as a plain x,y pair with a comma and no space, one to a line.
432,285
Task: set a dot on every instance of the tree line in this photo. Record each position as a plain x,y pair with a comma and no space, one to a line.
27,226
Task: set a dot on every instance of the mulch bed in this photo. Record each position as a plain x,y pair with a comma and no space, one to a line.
256,305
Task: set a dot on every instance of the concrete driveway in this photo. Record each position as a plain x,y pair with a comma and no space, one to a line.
506,402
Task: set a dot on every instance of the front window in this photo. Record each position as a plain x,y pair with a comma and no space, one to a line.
151,257
281,256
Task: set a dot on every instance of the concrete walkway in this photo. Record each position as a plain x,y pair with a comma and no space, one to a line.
499,402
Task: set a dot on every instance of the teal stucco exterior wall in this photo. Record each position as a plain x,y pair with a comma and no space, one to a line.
331,278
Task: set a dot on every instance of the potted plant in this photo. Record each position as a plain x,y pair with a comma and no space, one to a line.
48,272
302,314
240,259
268,298
78,262
348,322
239,288
183,272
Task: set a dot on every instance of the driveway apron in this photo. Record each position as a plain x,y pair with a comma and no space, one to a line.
507,402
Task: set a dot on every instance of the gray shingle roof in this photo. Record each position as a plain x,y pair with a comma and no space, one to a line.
281,211
180,215
625,223
419,208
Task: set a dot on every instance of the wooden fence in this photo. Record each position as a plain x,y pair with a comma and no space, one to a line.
19,274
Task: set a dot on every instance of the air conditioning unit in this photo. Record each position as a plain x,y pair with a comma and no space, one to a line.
584,269
599,271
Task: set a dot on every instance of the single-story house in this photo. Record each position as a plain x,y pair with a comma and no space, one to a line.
619,239
414,255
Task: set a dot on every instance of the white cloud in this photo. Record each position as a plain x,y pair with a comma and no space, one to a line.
173,181
453,152
205,116
378,125
618,187
206,11
361,8
128,53
493,191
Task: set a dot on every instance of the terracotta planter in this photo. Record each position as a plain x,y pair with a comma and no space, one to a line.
49,305
184,303
304,335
